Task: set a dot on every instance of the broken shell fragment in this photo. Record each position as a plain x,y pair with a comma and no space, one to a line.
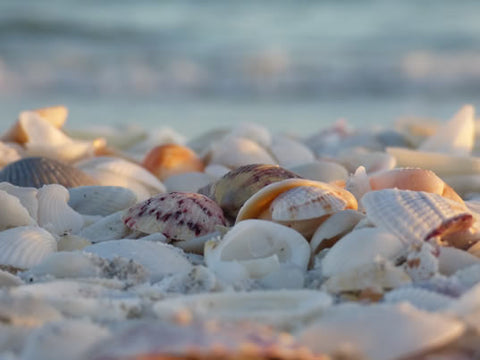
179,216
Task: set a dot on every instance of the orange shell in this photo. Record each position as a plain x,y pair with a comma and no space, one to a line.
171,159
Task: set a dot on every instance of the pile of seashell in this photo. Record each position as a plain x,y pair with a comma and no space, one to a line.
240,243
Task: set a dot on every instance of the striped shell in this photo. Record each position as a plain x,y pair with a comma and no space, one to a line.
39,171
415,215
179,216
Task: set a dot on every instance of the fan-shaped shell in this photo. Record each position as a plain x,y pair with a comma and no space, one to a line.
179,216
25,246
100,200
38,171
415,215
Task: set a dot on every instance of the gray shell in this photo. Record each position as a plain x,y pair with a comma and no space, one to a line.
39,171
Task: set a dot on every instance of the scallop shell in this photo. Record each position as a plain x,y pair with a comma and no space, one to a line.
380,332
260,247
38,171
283,309
25,246
54,214
12,212
26,195
179,216
171,159
100,200
237,186
320,170
415,215
420,298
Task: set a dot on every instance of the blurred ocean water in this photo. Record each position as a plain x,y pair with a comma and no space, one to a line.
192,65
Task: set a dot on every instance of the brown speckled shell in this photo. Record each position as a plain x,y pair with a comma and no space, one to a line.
179,216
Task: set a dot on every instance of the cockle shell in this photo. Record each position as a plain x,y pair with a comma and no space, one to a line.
415,215
12,212
100,200
283,309
54,213
171,159
255,249
38,171
298,203
179,216
379,332
25,246
237,186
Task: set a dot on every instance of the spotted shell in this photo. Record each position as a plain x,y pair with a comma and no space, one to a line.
235,187
179,216
39,171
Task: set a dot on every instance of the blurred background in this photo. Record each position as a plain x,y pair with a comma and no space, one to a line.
192,65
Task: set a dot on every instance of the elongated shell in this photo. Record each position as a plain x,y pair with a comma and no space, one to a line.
100,200
415,215
237,186
38,171
179,216
25,246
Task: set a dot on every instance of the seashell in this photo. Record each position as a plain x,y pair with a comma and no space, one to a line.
374,278
333,228
73,337
25,246
234,152
358,184
70,242
361,247
298,203
257,248
38,171
415,179
468,276
54,214
422,299
320,170
9,152
108,228
422,261
373,161
416,215
7,279
110,171
289,152
187,182
282,309
237,186
452,259
252,131
100,200
13,213
179,216
157,258
467,307
456,136
26,195
417,129
171,159
216,171
393,331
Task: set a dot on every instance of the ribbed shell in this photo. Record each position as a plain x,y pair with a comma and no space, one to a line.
415,215
39,171
179,216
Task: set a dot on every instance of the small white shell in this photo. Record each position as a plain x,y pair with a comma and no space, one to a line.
26,195
358,184
25,246
54,214
451,260
284,309
422,261
100,200
108,228
420,298
12,212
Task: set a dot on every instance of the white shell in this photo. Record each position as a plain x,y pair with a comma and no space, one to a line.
12,212
289,152
372,161
187,182
358,184
320,170
422,261
420,298
284,309
26,195
56,339
108,228
360,247
157,258
54,214
451,260
468,276
258,247
25,246
379,332
100,200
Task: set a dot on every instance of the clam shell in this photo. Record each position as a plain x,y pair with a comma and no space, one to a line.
54,214
38,171
25,246
380,332
12,212
26,195
179,216
237,186
283,309
415,215
100,200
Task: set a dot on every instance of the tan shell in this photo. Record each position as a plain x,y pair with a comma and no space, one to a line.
298,203
179,216
235,187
